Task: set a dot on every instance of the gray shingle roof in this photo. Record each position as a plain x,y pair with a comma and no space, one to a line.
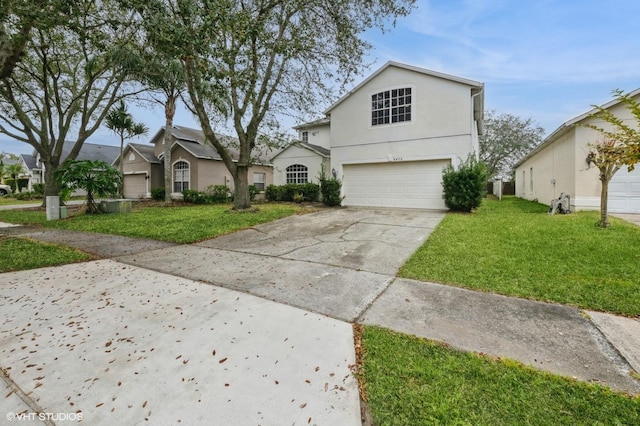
30,161
193,141
146,151
93,152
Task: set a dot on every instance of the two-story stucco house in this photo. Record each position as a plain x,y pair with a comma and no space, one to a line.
390,137
559,164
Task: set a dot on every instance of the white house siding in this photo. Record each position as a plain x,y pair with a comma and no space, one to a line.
297,155
317,135
441,128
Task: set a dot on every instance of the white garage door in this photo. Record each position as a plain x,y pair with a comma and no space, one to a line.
409,184
624,191
135,186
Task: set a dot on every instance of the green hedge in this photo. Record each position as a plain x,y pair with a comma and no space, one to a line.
308,191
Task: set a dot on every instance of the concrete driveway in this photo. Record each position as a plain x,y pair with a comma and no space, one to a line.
334,262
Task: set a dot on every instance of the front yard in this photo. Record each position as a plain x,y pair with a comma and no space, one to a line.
513,247
178,224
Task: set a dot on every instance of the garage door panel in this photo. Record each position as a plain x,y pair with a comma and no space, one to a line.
415,184
624,192
135,186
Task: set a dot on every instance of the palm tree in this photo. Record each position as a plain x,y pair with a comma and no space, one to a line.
120,122
14,171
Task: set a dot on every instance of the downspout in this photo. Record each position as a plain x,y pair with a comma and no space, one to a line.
477,117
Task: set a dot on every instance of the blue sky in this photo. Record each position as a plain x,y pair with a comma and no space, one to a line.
545,59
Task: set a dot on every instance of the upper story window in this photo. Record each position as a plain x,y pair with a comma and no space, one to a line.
297,173
391,106
305,137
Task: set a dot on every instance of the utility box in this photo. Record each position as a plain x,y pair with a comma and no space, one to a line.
116,206
53,207
63,212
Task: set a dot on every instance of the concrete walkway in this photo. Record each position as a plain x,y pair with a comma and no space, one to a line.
254,327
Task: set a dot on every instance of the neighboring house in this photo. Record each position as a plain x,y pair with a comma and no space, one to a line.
303,160
559,164
392,135
194,165
26,170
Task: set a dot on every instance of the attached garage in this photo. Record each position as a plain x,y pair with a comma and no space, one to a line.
406,184
624,192
135,185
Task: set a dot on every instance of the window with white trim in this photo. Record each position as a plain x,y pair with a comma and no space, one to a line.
305,137
180,176
297,173
258,181
391,106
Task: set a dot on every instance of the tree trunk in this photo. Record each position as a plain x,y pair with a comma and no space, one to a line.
121,186
51,187
604,197
169,113
241,198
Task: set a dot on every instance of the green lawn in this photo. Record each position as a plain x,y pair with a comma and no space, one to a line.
19,254
181,224
513,247
411,381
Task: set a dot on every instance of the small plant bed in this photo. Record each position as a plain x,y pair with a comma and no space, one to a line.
412,381
513,247
19,254
179,223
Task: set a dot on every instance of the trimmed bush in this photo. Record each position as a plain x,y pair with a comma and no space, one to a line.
308,192
157,194
464,188
193,196
330,189
252,192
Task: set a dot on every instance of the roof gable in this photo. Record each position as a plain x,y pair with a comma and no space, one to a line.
316,149
467,82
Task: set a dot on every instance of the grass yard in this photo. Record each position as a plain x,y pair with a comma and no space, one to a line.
19,254
513,247
182,224
412,381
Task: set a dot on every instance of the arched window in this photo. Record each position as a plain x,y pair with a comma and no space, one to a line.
180,176
297,173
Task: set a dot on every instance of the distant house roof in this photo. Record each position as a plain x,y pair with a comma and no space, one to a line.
568,125
30,161
314,123
93,152
320,150
193,141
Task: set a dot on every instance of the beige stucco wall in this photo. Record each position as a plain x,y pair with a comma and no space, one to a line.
563,159
296,155
441,126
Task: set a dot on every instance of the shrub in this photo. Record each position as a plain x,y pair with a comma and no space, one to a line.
193,196
252,192
38,188
157,194
464,188
330,189
308,192
23,196
217,194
